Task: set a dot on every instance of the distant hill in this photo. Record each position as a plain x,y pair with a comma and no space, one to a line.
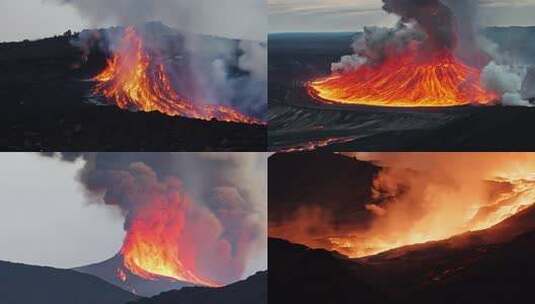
25,284
250,291
107,270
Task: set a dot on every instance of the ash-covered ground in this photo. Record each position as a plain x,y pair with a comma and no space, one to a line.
299,122
46,106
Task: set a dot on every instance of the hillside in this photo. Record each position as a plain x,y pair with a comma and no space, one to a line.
25,284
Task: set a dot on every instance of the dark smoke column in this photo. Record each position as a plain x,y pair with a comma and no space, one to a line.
204,211
433,17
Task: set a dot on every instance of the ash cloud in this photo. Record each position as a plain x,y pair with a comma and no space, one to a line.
226,218
432,16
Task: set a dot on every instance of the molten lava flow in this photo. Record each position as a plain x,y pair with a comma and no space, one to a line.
407,80
155,246
316,144
480,216
134,80
508,204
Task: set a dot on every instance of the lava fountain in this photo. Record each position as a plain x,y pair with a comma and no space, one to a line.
136,79
156,246
441,80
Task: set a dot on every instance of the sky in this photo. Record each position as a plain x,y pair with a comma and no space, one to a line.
353,15
33,19
45,218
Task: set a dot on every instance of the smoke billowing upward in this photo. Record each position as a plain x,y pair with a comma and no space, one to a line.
427,28
207,210
218,71
426,25
434,18
242,19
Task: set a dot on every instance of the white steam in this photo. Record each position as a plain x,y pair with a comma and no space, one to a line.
505,80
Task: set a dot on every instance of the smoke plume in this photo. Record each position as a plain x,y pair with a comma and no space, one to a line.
431,196
241,19
434,25
219,71
216,202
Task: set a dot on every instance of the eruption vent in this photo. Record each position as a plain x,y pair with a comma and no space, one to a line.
189,218
136,79
406,81
414,65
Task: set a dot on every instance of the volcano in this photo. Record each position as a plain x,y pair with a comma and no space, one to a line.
415,64
132,80
55,100
300,120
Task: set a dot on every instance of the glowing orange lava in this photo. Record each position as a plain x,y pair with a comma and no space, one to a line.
134,80
409,207
408,80
155,247
480,216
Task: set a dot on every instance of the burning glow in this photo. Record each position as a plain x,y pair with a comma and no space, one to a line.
155,247
509,204
411,207
135,79
316,144
408,80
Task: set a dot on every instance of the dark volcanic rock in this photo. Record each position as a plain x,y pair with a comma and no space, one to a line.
24,284
250,291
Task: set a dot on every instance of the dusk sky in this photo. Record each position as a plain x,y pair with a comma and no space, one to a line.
353,15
